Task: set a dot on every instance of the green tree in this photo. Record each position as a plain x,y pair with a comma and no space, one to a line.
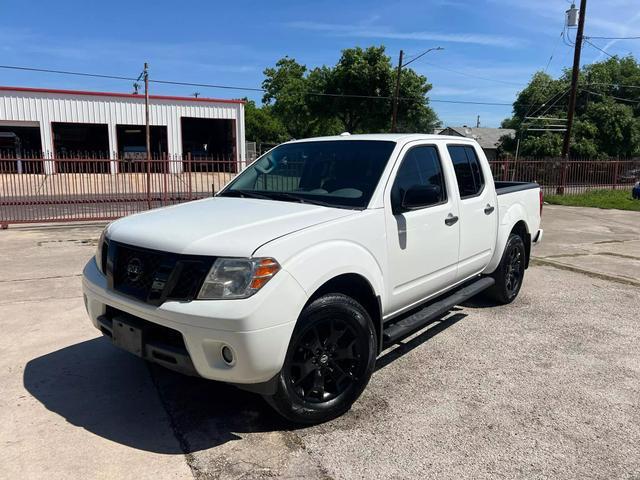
607,112
329,100
617,130
261,125
545,145
414,112
364,74
539,96
286,88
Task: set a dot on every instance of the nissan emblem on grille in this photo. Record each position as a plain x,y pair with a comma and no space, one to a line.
134,270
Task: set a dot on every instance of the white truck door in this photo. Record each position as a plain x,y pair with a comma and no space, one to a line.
422,228
478,210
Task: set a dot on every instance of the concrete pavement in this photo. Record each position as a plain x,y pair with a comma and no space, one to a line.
71,405
547,387
602,242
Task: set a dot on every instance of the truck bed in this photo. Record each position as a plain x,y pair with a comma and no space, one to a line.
503,188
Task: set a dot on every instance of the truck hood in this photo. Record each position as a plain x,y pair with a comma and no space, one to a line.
219,226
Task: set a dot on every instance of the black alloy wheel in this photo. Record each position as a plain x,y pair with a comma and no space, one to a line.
515,269
510,272
330,359
326,361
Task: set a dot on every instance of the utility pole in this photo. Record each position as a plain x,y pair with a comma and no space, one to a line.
394,117
574,79
145,74
396,97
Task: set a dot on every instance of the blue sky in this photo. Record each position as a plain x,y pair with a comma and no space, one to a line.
492,47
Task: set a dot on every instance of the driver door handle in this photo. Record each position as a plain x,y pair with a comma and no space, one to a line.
488,209
450,220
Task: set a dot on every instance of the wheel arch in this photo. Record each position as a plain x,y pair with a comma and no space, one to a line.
360,289
514,224
335,263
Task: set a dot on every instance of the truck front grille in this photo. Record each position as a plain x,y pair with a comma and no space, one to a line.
153,276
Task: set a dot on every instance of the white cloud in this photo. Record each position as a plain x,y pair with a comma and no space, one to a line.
451,3
381,32
203,56
619,29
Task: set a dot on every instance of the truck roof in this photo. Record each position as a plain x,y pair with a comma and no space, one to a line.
389,137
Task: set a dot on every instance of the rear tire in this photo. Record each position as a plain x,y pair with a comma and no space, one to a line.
510,272
329,362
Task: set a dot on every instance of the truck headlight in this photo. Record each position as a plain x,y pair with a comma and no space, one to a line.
100,251
237,277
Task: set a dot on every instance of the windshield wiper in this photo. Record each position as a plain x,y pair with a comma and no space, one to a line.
246,193
284,196
295,198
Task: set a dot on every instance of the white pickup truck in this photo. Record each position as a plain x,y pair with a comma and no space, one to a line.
318,256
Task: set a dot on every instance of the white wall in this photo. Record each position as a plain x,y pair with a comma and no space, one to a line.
46,107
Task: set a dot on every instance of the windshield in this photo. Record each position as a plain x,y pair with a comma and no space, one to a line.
339,173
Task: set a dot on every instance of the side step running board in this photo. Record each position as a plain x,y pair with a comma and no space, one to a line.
413,322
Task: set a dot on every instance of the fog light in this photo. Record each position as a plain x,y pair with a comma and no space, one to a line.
227,355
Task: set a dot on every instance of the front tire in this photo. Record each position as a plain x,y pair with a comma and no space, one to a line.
329,362
510,273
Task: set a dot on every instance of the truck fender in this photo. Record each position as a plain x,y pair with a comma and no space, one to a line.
516,213
316,265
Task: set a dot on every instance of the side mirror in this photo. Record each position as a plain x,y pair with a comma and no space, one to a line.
419,196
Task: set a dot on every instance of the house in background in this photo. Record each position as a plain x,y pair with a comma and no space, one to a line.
489,139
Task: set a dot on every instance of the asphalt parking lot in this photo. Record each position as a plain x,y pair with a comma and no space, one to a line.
548,387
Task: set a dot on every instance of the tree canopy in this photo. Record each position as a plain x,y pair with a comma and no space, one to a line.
607,117
354,95
261,125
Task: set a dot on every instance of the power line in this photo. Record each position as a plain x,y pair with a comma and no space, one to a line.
208,85
614,38
189,84
617,85
65,72
252,89
561,94
550,106
473,76
611,96
553,52
532,112
566,39
598,48
465,102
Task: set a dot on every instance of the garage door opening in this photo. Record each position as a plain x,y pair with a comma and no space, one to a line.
79,142
209,144
132,148
20,142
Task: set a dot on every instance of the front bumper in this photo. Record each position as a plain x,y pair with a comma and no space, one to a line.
257,329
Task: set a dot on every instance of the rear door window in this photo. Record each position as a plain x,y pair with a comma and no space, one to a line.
468,170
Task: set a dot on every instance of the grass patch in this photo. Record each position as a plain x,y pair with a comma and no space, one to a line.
618,199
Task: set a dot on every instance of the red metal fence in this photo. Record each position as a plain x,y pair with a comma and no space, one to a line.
73,188
565,177
81,188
